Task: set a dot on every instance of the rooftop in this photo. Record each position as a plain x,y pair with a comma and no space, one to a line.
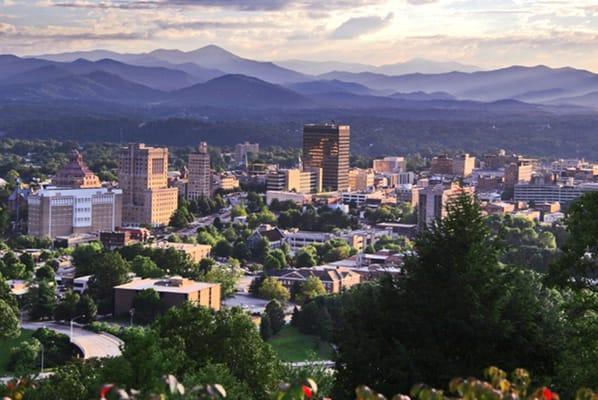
168,285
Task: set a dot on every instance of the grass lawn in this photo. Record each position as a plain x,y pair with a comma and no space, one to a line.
292,345
6,345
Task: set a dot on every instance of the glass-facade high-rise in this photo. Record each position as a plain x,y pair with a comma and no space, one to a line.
326,146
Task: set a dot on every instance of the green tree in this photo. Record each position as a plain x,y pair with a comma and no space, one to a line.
84,258
280,256
238,211
41,301
275,313
272,289
181,217
241,251
67,308
487,313
261,250
9,321
223,248
147,305
110,270
225,337
210,373
24,358
310,289
265,328
45,273
87,308
227,276
578,264
145,267
272,263
306,259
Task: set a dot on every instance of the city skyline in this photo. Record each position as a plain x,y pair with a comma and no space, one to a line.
487,34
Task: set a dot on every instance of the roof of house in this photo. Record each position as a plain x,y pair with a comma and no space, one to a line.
325,274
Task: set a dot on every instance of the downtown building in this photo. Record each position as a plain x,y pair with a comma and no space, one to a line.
199,173
295,180
143,178
433,201
75,203
327,146
564,194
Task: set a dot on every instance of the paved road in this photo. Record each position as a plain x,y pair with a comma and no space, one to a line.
93,345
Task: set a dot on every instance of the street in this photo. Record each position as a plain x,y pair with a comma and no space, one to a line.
91,344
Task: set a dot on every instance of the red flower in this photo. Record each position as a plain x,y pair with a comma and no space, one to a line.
105,390
307,391
547,394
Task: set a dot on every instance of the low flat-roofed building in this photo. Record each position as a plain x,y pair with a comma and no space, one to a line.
196,252
298,198
173,292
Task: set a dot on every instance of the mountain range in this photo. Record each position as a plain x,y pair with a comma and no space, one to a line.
214,77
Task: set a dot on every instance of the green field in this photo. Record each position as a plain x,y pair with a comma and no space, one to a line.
6,345
292,345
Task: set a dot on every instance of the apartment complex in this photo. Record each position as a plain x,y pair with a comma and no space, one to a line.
74,204
143,176
327,147
433,200
295,180
199,173
173,292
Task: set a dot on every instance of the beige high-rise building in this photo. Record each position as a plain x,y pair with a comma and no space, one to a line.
327,146
463,165
361,179
143,177
433,200
199,173
74,204
519,171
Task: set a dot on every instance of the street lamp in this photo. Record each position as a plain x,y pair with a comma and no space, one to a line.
73,320
42,361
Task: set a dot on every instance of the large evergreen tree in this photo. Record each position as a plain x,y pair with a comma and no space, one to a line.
455,312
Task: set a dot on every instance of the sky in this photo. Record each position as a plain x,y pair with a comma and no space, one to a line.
485,33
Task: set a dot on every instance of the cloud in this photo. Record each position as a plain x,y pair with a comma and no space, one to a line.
358,26
201,25
421,2
242,5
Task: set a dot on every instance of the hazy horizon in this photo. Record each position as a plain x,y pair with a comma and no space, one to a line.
485,33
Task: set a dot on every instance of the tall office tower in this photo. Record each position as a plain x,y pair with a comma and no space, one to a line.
463,165
143,177
327,146
519,171
199,173
75,203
